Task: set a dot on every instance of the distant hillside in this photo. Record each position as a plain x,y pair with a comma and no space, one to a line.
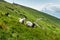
52,9
11,29
1,0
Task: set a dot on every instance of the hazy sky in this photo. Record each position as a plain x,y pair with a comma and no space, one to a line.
38,4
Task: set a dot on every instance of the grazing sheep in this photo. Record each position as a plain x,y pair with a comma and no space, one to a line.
30,24
21,20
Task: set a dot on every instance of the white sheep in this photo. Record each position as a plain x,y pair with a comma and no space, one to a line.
21,20
30,24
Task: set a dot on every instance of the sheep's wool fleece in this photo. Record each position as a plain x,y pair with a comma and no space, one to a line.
29,23
21,20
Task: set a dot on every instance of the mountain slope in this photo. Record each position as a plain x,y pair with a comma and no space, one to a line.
11,29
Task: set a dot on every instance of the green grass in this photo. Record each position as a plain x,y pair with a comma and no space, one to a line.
11,29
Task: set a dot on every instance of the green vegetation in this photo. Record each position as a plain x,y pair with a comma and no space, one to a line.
1,0
11,29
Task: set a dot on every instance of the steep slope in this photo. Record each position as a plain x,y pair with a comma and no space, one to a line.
11,29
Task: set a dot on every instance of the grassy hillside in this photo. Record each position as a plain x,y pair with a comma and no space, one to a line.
11,29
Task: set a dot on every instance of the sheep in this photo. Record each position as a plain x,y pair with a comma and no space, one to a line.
30,24
21,20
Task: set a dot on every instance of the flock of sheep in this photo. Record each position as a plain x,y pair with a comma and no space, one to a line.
28,23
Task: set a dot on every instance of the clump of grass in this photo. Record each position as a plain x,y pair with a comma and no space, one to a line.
3,25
